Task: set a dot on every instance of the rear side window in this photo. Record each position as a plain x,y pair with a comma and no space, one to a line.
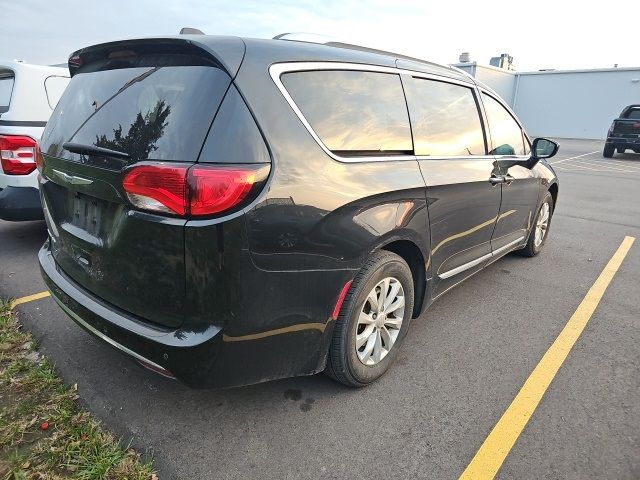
54,86
353,112
149,112
506,134
445,119
234,136
6,87
634,114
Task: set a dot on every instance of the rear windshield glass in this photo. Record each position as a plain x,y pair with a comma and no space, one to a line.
353,112
6,87
148,112
634,114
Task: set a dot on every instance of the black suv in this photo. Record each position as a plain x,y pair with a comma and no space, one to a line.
624,132
229,211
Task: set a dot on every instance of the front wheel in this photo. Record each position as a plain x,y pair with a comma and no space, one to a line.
540,229
608,150
373,321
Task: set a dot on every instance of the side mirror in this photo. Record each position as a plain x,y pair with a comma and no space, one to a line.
542,148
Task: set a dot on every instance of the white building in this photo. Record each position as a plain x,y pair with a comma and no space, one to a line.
563,103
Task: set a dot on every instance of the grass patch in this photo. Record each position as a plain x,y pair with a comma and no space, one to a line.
44,435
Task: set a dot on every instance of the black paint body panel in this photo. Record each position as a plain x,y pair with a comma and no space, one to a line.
252,294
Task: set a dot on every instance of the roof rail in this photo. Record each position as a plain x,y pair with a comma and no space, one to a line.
325,40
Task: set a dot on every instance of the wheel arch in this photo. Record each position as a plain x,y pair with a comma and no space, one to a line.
553,190
411,253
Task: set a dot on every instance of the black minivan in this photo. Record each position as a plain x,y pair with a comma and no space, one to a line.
228,211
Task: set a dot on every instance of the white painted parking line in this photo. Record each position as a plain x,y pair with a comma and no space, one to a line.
571,166
605,166
620,163
572,158
597,166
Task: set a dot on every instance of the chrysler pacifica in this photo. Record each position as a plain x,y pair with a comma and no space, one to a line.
228,211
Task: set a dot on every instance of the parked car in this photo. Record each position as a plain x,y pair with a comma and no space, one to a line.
28,95
229,211
624,133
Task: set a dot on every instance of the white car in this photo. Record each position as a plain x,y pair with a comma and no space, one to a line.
28,95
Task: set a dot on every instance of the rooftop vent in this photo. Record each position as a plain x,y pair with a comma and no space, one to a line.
190,31
503,61
465,57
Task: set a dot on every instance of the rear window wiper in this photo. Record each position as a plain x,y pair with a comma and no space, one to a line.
93,150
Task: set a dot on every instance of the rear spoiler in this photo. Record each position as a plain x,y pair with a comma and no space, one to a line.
225,52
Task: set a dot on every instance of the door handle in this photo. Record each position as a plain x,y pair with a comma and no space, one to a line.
496,179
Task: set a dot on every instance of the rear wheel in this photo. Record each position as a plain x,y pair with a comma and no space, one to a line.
540,229
608,151
373,321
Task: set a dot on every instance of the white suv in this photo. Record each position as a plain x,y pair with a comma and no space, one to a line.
28,95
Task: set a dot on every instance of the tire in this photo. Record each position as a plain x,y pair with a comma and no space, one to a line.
608,150
344,363
531,249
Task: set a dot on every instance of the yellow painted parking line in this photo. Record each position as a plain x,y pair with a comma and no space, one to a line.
493,451
29,298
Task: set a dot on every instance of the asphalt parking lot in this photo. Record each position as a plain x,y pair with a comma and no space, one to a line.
461,366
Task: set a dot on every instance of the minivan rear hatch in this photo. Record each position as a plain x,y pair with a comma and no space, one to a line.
142,102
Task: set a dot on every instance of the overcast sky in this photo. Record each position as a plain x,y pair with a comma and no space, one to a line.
547,34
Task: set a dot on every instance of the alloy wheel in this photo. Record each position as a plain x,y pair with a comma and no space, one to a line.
379,321
542,224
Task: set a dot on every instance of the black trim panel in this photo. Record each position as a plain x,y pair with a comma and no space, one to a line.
20,123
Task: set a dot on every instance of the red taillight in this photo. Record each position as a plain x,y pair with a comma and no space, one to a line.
162,188
215,189
18,154
191,190
636,125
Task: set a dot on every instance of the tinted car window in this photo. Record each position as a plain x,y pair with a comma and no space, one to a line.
634,114
506,134
234,137
54,87
6,87
444,118
150,113
353,112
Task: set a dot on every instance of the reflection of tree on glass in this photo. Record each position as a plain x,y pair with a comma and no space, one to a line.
144,132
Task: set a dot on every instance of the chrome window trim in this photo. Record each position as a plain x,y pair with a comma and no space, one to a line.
277,69
456,157
479,260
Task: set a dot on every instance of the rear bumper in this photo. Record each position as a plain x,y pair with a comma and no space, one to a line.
20,203
200,359
627,142
187,356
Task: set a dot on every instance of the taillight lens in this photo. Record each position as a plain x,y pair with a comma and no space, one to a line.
197,191
18,154
636,125
161,188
